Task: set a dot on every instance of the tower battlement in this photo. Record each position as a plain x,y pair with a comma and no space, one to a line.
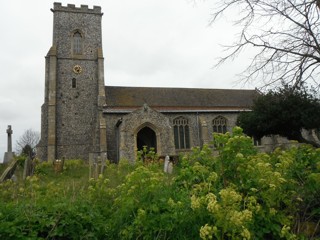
57,7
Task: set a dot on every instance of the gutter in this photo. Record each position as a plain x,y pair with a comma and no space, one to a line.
177,111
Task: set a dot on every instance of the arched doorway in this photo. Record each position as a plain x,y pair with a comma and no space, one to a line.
146,137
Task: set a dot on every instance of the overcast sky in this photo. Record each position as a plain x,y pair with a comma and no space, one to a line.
161,43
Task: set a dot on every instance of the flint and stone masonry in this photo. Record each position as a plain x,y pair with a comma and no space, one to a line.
72,122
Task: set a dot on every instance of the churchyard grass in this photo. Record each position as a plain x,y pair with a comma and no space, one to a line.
235,194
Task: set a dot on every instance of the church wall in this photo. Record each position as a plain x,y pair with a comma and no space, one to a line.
112,136
41,149
76,109
195,121
42,145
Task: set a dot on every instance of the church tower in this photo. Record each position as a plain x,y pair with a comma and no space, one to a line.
72,125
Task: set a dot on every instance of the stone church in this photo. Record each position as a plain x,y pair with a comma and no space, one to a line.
82,117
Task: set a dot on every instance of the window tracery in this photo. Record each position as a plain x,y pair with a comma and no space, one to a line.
181,133
219,124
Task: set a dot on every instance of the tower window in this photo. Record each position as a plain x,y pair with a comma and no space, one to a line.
181,133
77,43
219,124
74,83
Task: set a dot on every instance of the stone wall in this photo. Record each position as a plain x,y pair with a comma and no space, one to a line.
163,123
76,109
112,132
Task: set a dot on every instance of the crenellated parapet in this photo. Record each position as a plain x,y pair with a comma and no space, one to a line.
57,7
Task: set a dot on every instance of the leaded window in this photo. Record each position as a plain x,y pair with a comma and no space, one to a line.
219,124
181,133
77,43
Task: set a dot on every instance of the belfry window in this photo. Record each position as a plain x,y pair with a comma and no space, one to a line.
219,124
181,133
77,43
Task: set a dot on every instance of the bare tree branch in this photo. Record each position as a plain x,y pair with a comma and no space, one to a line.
29,137
285,34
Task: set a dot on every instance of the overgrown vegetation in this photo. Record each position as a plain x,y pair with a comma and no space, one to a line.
237,194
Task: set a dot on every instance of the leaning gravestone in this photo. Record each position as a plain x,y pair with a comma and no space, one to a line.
9,154
8,173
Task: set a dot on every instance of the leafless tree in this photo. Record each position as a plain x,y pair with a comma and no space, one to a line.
285,35
29,138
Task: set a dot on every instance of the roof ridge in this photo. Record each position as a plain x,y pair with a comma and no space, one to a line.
187,88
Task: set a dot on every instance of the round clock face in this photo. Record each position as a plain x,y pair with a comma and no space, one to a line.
77,69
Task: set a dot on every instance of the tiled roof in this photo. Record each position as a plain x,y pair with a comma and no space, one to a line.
178,98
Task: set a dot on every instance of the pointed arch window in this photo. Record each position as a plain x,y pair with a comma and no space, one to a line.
181,133
219,124
77,43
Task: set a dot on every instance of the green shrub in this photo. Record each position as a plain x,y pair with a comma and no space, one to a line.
237,194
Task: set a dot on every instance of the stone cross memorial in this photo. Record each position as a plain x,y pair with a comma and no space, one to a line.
9,154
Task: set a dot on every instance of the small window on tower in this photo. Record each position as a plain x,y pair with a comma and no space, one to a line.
74,83
77,43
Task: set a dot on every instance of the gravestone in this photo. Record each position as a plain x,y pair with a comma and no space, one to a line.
9,172
168,165
97,165
29,166
8,155
58,165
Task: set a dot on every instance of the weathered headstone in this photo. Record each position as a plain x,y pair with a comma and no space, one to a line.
58,165
8,173
97,165
8,155
170,168
28,168
166,163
